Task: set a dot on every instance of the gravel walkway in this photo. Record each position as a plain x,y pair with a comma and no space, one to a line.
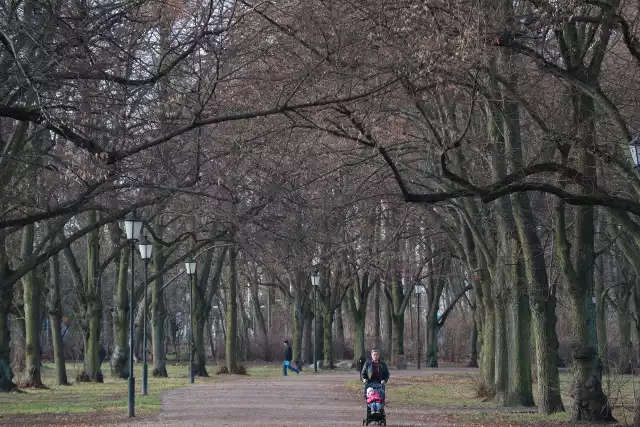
295,400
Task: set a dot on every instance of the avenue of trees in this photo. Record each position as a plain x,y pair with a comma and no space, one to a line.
478,149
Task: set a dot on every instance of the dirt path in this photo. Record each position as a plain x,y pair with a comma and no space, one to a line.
295,400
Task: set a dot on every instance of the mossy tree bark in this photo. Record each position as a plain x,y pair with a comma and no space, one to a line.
435,284
232,314
536,285
519,388
204,288
55,309
119,366
589,401
93,302
330,294
158,312
32,285
357,298
89,296
340,342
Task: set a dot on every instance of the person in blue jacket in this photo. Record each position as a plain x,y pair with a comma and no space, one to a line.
288,356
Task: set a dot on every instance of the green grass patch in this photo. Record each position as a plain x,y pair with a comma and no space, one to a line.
265,371
80,398
110,396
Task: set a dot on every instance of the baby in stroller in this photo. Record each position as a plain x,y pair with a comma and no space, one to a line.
375,400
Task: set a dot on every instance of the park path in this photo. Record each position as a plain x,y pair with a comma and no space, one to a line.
295,400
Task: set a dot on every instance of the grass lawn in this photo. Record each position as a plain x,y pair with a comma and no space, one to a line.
454,394
107,398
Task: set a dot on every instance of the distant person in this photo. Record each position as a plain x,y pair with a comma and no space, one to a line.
374,371
288,356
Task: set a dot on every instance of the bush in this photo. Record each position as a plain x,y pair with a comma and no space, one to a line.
222,370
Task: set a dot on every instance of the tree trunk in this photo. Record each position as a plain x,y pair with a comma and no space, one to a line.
119,365
231,344
298,329
546,342
328,340
601,321
31,294
488,350
376,315
55,319
200,320
340,343
577,262
212,346
519,387
388,327
397,348
501,377
6,299
158,316
93,304
318,334
432,330
624,324
473,353
590,402
261,324
636,302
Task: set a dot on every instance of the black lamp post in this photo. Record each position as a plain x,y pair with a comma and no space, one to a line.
145,253
190,266
634,148
132,226
419,292
315,279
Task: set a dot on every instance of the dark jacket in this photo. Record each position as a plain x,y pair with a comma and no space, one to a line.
367,371
288,353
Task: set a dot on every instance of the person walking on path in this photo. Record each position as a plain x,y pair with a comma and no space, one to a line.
374,370
288,356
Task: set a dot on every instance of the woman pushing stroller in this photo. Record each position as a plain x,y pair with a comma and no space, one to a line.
374,376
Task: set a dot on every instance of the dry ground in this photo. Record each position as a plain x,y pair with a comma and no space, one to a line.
295,400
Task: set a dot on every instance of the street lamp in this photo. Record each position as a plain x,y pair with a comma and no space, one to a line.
315,279
190,266
145,253
634,148
419,291
132,227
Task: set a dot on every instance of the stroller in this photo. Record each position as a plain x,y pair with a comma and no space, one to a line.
379,417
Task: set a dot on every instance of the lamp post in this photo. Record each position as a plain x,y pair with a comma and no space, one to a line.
419,292
315,279
132,226
145,253
190,266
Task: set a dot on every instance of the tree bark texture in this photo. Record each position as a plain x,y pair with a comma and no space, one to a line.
32,291
231,344
158,314
55,309
119,366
